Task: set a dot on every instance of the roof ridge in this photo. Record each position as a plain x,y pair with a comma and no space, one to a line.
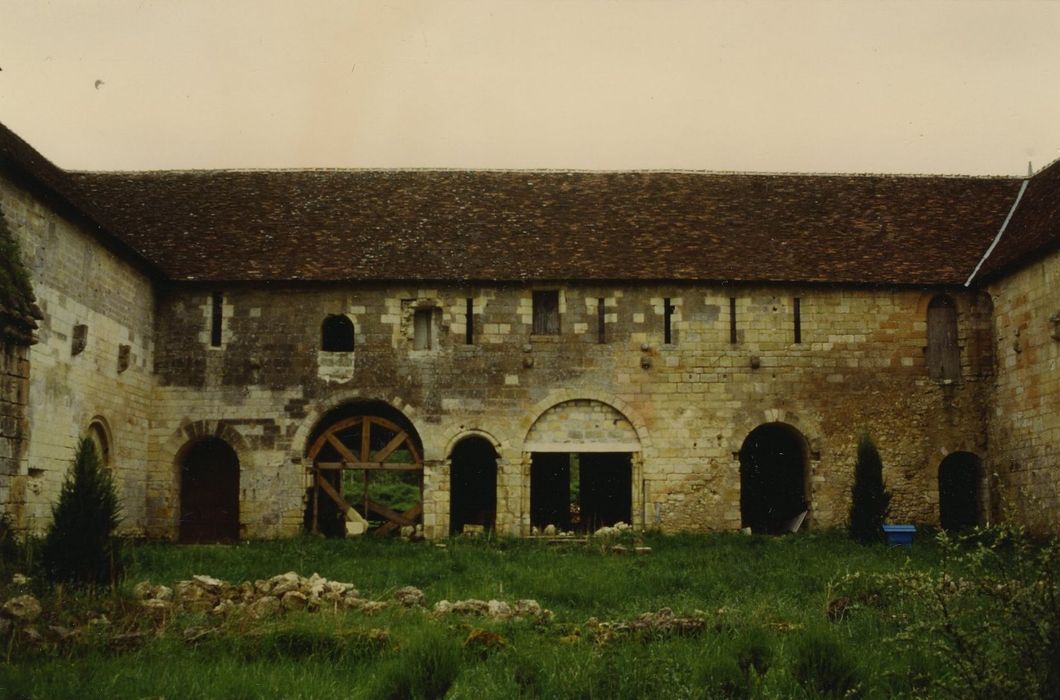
545,171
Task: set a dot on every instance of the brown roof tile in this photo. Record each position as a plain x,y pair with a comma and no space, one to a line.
1034,228
528,225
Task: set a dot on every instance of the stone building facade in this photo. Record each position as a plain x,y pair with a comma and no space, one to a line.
687,352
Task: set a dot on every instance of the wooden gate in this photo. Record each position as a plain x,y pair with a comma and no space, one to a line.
371,445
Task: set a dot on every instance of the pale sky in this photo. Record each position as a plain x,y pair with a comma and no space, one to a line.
911,87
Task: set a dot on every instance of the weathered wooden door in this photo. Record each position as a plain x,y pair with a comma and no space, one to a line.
209,493
372,448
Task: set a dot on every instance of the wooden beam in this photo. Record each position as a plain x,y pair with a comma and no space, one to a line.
382,454
333,494
410,514
366,441
391,515
343,451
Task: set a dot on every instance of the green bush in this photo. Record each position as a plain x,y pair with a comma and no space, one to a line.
871,502
824,667
80,547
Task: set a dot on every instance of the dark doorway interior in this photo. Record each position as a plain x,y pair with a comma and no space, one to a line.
209,493
959,491
605,494
580,491
550,489
473,485
772,478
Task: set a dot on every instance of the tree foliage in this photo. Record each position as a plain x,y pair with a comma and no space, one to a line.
871,502
80,547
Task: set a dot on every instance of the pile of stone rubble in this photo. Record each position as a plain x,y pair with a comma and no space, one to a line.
290,591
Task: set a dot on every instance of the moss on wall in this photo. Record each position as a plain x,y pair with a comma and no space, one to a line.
18,312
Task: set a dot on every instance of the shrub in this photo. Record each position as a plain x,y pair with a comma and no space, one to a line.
824,667
870,502
80,547
992,619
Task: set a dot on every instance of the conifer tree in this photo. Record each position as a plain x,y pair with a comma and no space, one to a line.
80,547
871,502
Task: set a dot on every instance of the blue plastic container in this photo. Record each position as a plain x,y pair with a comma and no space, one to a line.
899,535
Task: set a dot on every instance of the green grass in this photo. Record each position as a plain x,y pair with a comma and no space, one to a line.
765,599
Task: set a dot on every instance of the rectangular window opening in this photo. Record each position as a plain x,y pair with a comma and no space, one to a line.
668,311
422,329
546,312
217,308
798,320
732,320
469,323
601,331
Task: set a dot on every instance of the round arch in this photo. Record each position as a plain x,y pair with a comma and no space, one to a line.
364,461
99,433
561,396
209,491
774,478
473,483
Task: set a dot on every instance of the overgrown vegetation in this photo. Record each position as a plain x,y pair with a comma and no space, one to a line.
815,615
871,501
80,547
988,617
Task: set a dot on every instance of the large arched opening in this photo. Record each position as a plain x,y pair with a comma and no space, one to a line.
583,454
209,492
366,471
959,476
472,485
773,479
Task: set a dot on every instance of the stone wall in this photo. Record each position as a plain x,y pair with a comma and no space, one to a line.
80,283
688,405
14,391
1025,420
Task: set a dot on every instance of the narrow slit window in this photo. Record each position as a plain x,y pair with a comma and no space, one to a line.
732,320
217,307
668,311
422,323
601,331
797,311
546,312
469,323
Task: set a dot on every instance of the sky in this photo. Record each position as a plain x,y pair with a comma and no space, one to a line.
955,87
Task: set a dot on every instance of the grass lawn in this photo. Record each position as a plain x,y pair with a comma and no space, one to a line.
765,603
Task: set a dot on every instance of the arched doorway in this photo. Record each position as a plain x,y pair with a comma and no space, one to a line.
583,454
959,477
209,492
773,478
473,485
366,470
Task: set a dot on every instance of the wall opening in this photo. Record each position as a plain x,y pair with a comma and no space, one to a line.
469,322
959,476
796,309
336,334
773,478
580,491
97,433
423,329
601,321
216,316
473,485
209,492
366,471
668,312
546,312
943,353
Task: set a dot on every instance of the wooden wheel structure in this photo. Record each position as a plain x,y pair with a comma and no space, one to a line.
372,446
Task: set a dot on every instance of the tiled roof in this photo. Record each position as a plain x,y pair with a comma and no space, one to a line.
1035,225
23,162
526,225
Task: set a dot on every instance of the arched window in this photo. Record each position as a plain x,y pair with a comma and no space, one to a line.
336,334
97,433
943,355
